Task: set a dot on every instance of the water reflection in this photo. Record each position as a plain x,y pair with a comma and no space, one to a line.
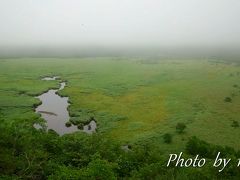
54,110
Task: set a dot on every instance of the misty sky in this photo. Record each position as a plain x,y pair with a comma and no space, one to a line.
119,22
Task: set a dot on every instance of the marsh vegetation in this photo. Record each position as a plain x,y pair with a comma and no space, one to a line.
155,108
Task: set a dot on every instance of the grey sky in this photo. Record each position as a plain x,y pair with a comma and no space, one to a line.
119,22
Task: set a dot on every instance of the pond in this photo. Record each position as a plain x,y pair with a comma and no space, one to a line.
54,109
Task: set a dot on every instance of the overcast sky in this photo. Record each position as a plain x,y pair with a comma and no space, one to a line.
119,22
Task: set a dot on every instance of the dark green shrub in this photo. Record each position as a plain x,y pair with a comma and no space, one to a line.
92,118
228,99
180,127
167,138
196,146
80,126
235,123
68,124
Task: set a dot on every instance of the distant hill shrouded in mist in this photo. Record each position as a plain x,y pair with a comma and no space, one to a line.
157,52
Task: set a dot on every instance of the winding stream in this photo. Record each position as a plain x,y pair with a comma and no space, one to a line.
54,110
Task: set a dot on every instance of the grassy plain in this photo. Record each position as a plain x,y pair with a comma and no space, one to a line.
133,100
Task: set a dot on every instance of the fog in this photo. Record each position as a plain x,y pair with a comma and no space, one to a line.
99,27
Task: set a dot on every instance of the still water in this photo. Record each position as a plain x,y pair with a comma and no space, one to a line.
54,109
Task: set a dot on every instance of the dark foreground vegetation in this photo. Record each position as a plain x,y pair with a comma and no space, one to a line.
27,153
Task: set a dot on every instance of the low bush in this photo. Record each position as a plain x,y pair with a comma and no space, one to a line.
180,127
228,99
167,138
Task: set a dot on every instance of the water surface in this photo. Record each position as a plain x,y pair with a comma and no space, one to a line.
90,128
54,110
